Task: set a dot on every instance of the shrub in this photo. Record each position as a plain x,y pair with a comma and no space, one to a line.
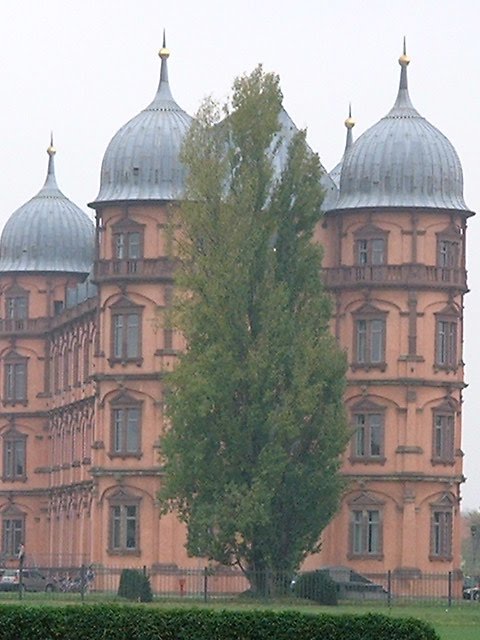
135,585
110,622
316,585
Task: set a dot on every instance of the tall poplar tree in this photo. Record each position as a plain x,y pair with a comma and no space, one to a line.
257,422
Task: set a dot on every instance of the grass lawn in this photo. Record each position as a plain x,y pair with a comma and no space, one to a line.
460,622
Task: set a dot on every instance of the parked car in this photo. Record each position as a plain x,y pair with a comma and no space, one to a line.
471,588
32,580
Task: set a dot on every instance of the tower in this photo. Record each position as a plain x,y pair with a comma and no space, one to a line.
395,263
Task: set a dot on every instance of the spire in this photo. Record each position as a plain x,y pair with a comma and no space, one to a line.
163,92
51,180
403,99
349,123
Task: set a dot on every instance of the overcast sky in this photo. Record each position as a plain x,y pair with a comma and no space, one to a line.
85,67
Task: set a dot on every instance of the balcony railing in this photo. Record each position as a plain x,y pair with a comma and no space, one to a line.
24,325
144,269
402,275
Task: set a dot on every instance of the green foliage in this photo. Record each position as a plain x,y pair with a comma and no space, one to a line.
318,586
111,622
135,585
257,418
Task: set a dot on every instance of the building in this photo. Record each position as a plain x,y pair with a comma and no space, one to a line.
85,343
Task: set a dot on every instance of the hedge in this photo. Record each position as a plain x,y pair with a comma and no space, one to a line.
113,622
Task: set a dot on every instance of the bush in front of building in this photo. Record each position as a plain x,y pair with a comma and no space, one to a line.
90,622
317,586
135,585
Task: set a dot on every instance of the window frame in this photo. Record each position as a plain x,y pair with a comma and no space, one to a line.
15,383
9,458
125,404
443,433
13,531
441,529
126,310
446,345
118,523
366,410
363,529
369,234
16,307
364,339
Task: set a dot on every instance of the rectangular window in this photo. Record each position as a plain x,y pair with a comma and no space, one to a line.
15,382
441,536
448,251
12,536
370,341
16,312
371,251
126,431
126,336
368,442
366,532
446,348
124,528
13,458
443,437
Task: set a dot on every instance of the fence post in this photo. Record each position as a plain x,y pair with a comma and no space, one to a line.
389,588
450,588
205,584
83,574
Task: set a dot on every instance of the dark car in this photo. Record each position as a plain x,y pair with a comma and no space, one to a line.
32,580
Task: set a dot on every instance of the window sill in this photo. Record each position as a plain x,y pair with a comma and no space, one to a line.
440,558
125,361
125,455
124,552
367,366
449,462
365,556
14,479
13,403
367,460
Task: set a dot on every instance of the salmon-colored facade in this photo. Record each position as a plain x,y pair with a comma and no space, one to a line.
84,353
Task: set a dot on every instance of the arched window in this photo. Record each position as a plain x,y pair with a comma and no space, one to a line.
443,438
446,338
16,308
370,246
441,528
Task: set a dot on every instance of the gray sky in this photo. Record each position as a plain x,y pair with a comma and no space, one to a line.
84,67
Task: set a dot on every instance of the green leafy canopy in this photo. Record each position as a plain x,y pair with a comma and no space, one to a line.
257,421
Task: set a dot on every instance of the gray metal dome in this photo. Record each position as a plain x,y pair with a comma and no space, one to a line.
48,233
402,161
142,160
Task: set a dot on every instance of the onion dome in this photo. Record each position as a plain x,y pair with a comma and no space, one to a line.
142,160
48,233
402,161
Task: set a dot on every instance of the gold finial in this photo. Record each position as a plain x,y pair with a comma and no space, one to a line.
51,149
404,60
349,122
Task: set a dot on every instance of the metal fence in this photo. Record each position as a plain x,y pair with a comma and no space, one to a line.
210,584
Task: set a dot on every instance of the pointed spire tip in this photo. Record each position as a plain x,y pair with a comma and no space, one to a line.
350,122
404,60
51,149
164,52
